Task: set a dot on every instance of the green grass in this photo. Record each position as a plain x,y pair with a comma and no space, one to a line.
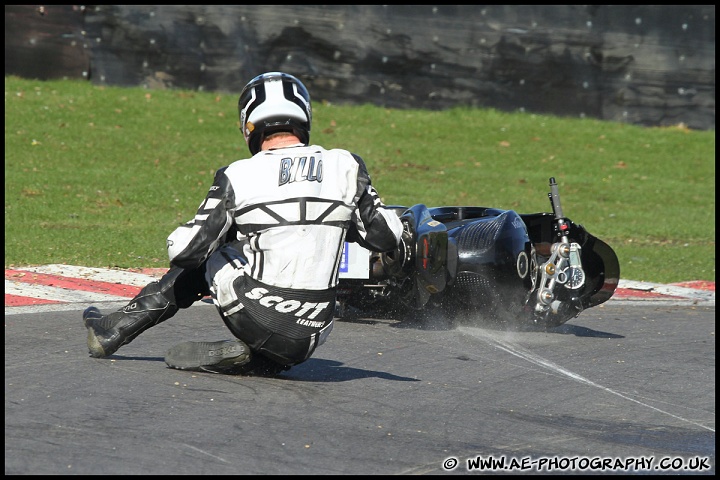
99,176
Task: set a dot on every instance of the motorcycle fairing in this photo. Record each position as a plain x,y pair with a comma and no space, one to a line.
430,251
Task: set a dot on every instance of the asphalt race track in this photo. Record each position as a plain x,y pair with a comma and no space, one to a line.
627,387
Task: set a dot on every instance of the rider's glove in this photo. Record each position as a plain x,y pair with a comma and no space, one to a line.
396,262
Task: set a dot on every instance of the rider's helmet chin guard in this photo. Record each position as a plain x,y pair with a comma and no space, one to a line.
273,102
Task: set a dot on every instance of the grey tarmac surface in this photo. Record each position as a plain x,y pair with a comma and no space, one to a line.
624,381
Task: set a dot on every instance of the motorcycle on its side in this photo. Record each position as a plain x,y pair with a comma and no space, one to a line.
538,269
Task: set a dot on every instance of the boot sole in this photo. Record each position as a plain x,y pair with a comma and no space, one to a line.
208,356
94,347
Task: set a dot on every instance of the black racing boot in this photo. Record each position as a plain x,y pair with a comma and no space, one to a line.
155,303
225,356
229,357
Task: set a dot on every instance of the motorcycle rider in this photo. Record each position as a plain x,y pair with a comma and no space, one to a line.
266,244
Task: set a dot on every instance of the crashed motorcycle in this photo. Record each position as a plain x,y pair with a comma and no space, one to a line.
466,262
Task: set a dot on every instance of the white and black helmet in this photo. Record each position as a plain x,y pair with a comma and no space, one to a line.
274,102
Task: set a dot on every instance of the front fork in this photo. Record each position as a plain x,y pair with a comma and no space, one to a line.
563,269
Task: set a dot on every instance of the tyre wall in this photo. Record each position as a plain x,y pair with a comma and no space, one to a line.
642,64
